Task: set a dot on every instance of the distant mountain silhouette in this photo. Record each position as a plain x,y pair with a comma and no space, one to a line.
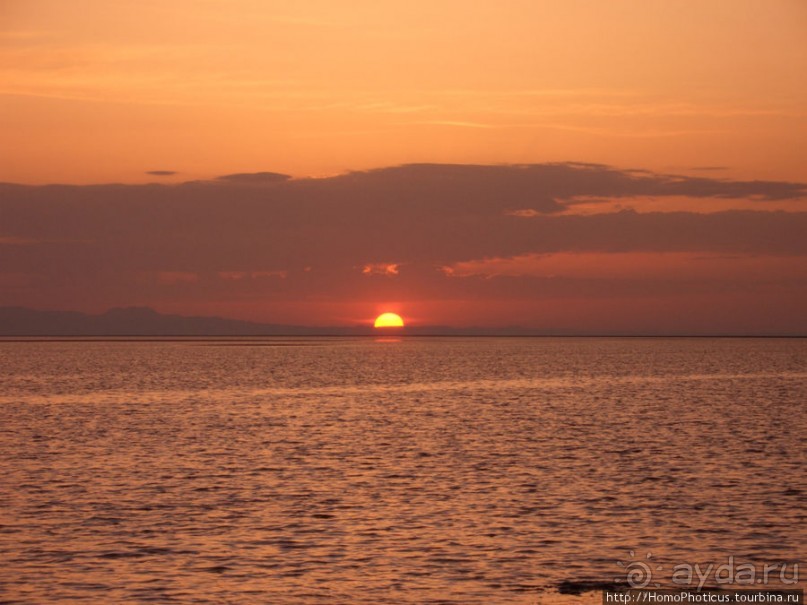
133,321
144,321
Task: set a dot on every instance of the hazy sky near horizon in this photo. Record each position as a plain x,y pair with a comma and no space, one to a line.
630,165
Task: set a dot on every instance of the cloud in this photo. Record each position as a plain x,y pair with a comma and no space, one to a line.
255,178
384,233
174,277
380,269
162,172
411,213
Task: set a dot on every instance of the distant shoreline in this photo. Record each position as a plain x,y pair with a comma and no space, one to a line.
145,322
237,337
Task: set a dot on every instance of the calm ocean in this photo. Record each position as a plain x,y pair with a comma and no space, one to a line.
411,470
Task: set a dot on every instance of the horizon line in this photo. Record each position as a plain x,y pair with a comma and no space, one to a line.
183,337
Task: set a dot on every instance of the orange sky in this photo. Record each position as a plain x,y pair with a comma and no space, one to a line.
180,93
99,91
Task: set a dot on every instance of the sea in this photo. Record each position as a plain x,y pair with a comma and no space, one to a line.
398,470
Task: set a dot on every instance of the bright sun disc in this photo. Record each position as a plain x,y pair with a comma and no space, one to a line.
388,320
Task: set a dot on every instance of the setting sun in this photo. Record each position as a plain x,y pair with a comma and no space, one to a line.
388,320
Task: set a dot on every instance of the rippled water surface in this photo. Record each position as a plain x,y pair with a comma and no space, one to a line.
419,470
